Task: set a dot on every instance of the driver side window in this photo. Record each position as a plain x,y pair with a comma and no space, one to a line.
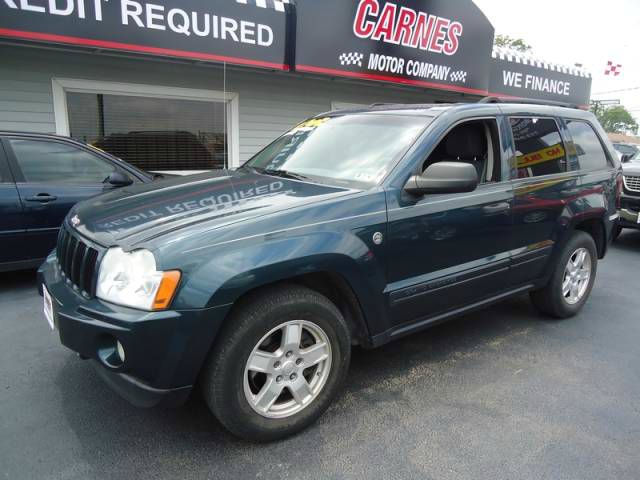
43,161
475,142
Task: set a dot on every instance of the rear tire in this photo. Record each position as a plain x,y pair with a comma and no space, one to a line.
572,279
278,364
616,232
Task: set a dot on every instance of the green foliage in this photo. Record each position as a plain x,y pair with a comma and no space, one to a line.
616,119
517,44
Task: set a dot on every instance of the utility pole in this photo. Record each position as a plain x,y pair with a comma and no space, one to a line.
598,106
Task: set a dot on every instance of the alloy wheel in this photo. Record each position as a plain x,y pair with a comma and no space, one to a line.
287,369
577,275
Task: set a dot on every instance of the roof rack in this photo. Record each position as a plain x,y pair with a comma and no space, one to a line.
529,101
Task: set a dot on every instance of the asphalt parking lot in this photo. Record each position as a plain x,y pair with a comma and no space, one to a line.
501,394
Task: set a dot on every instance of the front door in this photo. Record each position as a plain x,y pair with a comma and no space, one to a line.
449,251
52,177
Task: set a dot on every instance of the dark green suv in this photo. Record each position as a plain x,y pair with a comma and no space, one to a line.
355,228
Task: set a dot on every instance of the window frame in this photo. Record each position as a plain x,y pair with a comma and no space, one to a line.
19,178
6,176
61,86
514,159
607,154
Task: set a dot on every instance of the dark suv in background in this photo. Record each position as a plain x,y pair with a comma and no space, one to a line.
630,201
355,228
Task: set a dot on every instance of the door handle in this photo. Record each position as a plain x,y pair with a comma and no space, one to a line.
42,198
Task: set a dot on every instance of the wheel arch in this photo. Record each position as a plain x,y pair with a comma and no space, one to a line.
595,227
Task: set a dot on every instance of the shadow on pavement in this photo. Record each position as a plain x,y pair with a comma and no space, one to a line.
98,416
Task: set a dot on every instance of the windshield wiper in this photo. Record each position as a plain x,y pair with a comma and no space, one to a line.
286,174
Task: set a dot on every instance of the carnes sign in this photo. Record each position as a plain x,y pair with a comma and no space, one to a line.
430,43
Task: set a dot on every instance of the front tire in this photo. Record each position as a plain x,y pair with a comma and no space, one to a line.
278,364
572,280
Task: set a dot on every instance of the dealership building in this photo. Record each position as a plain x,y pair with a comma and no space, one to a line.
194,85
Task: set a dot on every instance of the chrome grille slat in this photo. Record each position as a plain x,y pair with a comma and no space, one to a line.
632,183
71,246
78,262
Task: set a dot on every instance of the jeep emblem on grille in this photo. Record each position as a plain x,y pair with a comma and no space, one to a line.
75,220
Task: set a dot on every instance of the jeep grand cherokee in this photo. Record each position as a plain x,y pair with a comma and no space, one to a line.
355,228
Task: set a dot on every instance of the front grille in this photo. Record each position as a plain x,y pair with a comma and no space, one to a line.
78,262
632,183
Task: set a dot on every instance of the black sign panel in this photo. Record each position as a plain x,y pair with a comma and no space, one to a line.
246,32
527,78
440,44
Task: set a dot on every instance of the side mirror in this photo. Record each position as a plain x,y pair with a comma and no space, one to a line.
444,177
626,158
118,179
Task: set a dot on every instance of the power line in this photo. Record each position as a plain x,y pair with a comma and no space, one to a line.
618,91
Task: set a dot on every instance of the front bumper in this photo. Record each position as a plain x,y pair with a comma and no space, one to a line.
629,211
164,351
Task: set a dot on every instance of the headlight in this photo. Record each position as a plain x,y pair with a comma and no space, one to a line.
131,280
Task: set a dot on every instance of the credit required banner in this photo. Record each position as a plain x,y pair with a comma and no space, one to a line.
439,44
234,31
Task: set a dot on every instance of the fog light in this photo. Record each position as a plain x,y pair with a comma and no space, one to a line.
120,350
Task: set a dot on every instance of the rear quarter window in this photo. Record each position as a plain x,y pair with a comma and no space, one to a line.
588,147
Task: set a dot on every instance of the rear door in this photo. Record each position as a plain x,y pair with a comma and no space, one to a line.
51,177
12,227
544,182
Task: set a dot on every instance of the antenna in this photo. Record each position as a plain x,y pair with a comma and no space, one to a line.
224,116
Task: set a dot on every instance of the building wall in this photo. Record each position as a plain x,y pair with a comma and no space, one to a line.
269,102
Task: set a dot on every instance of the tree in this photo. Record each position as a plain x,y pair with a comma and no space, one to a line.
517,44
616,119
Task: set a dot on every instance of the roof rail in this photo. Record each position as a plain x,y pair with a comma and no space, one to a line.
529,101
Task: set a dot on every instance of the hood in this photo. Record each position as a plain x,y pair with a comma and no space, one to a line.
140,213
631,168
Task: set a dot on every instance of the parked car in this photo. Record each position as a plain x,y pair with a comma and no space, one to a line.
630,200
41,178
627,149
357,227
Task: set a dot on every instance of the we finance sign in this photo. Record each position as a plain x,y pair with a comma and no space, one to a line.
430,43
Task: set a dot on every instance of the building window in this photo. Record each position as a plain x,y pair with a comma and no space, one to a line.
156,129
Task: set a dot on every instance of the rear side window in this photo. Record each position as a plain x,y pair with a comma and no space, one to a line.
539,147
589,150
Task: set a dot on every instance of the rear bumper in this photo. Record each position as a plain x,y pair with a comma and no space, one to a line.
164,351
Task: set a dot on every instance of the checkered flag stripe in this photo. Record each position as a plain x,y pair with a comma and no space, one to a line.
459,76
613,69
277,5
513,56
351,58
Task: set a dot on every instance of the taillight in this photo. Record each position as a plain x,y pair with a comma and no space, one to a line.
619,186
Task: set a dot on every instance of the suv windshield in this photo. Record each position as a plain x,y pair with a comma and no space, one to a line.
355,149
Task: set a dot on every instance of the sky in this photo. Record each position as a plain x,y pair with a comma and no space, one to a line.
575,31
